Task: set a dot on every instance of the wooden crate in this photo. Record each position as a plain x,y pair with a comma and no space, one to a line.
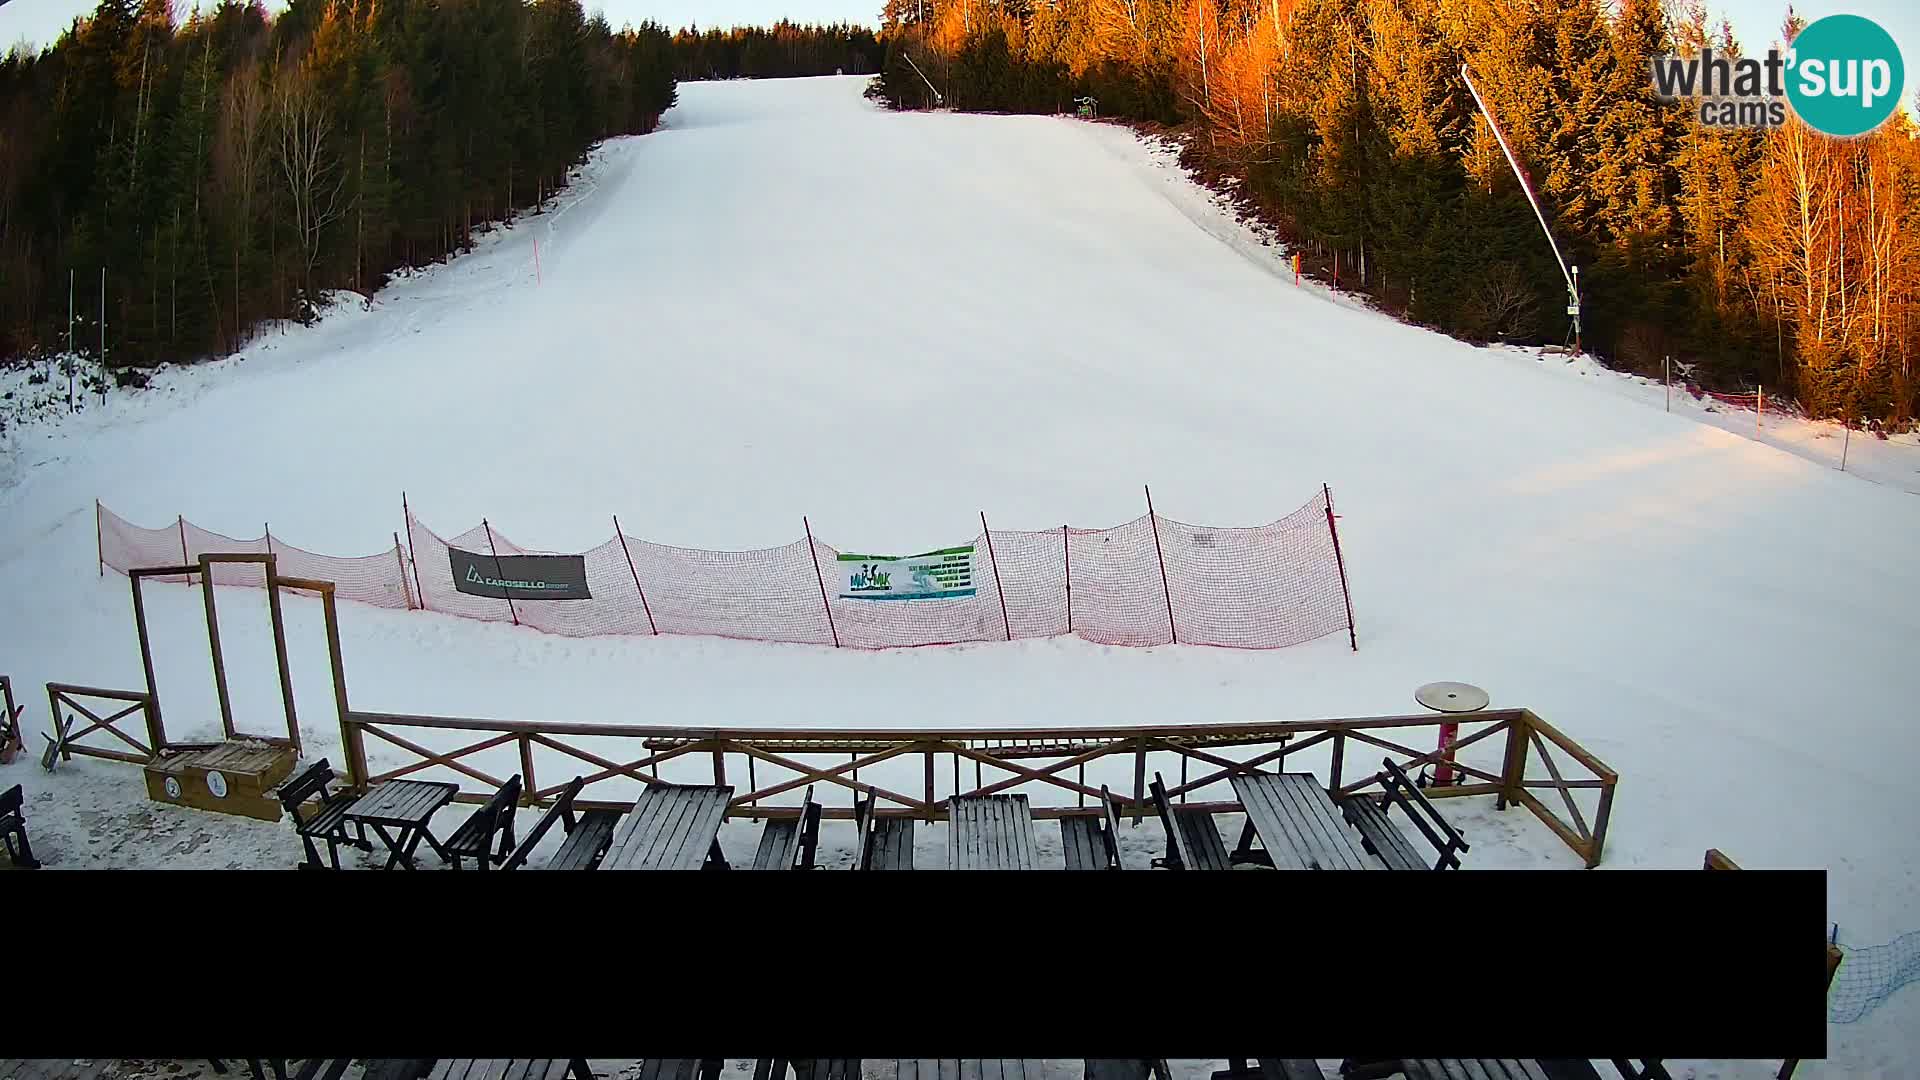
227,778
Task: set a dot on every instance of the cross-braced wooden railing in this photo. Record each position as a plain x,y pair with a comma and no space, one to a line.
69,696
10,718
1050,765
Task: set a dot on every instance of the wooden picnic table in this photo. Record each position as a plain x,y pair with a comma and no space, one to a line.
1299,825
969,1069
671,827
408,805
989,832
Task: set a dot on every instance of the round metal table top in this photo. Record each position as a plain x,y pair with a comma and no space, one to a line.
1452,697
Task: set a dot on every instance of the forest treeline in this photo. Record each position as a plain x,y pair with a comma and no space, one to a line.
230,169
1781,258
783,50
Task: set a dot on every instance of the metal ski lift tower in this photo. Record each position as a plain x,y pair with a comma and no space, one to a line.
1571,273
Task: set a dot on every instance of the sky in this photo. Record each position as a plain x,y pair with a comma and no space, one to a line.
1755,22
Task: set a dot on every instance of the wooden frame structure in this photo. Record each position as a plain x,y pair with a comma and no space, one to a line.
1035,758
147,703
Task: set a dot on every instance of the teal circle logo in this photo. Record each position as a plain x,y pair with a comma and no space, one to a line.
1844,75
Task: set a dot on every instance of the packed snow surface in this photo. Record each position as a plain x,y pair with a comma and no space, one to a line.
789,302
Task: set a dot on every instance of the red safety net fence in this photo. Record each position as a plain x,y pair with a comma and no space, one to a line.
1150,581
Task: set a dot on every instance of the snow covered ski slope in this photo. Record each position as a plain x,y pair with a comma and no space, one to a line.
788,302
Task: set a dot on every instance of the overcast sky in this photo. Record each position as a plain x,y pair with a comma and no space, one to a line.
1755,22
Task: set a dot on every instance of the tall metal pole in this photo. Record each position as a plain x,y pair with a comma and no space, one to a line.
1572,274
72,364
103,323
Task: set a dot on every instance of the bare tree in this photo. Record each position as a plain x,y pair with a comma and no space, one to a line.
316,182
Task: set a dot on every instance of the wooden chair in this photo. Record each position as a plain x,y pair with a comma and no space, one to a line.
789,843
1093,843
1193,841
328,822
13,829
1379,835
589,834
474,838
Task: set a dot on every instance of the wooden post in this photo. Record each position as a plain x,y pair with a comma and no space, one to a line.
1341,564
528,789
814,557
352,741
280,650
498,571
930,815
719,766
1154,520
417,591
636,576
213,646
146,665
1066,549
1339,755
1006,627
399,557
1139,781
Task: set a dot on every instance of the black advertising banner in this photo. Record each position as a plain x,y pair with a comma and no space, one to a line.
520,577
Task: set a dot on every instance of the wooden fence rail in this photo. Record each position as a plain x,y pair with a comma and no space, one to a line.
69,695
1049,764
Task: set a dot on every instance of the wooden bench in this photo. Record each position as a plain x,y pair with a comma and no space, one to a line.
511,1069
11,741
807,1068
1582,1069
328,821
333,1068
1193,841
13,829
789,843
1271,1069
1128,1069
1443,1069
1093,843
1385,841
885,843
589,834
474,838
680,1068
970,1069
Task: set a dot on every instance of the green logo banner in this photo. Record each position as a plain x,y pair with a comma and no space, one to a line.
934,575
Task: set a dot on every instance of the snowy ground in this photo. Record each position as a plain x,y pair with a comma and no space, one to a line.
788,302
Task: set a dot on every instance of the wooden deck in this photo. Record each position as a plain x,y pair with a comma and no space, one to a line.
55,1068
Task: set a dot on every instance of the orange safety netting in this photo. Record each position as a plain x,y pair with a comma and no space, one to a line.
1150,581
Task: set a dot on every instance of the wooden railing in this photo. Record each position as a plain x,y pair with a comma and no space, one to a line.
1041,762
67,695
10,718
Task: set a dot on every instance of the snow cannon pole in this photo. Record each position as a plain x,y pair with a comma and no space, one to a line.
1759,409
1845,441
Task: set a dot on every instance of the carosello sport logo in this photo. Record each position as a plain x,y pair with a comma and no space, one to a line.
1842,75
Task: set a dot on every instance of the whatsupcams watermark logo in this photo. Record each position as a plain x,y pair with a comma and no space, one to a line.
1842,75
